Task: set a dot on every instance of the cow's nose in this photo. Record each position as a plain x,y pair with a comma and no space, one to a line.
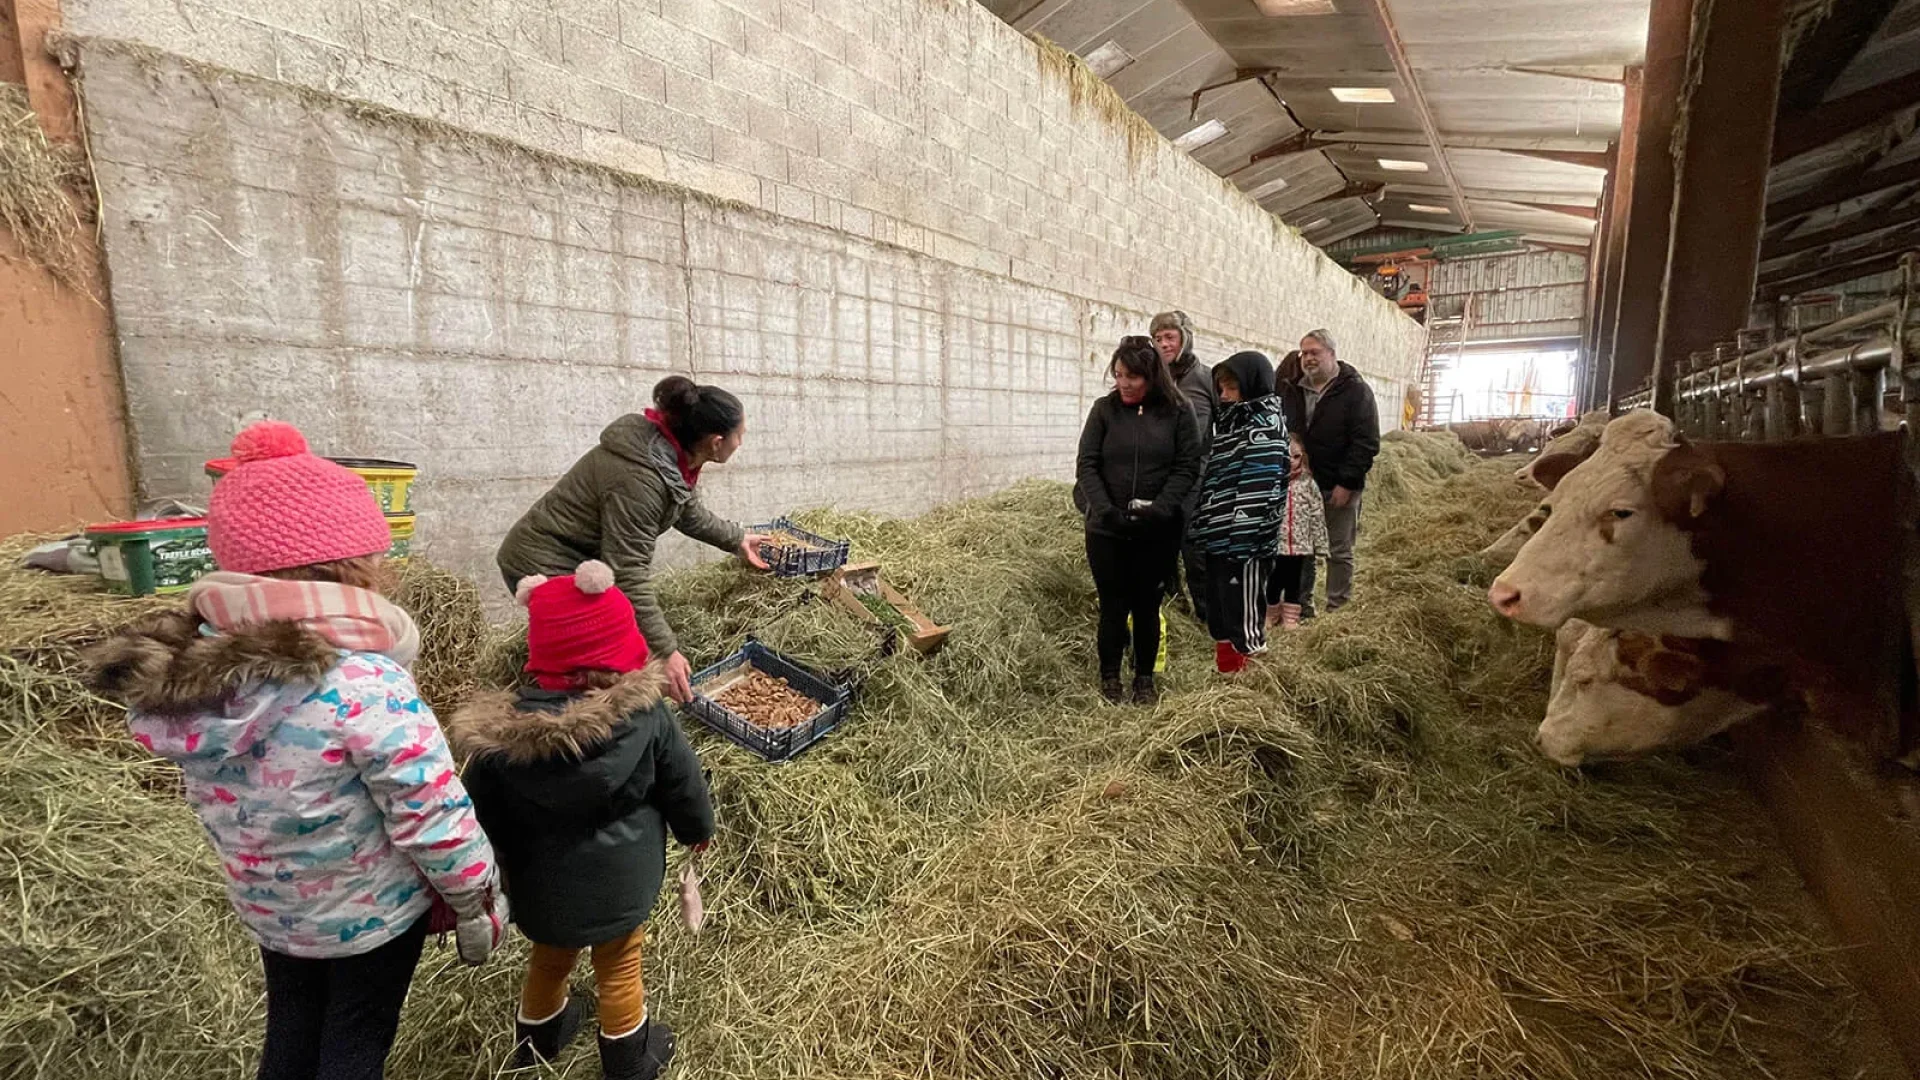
1504,598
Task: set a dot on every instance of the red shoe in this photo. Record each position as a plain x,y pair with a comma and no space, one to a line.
1227,659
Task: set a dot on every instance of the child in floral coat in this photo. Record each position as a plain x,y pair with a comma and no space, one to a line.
321,778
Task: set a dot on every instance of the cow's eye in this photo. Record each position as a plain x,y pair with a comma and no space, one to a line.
1545,511
1623,514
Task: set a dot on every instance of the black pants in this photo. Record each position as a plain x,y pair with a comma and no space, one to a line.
1285,576
1130,575
1237,602
336,1019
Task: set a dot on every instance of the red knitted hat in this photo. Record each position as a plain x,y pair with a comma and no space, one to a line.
579,622
282,507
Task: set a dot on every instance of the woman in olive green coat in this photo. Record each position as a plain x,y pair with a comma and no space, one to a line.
617,500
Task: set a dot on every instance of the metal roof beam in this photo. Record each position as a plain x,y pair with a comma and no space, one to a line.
1799,132
1837,275
1873,223
1397,50
1462,142
1849,185
1591,159
1816,262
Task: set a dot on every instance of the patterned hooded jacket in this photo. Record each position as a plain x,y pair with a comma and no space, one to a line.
321,778
1243,497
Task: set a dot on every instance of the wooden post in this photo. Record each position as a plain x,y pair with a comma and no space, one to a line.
1720,195
1649,209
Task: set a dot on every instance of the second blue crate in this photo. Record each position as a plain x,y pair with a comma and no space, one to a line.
795,552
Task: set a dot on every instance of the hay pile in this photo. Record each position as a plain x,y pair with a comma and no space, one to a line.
1349,864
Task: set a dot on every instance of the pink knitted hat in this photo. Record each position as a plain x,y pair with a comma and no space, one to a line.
282,507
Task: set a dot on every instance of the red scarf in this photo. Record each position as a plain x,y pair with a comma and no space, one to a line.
690,474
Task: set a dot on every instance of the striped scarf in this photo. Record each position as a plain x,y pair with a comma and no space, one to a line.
347,617
1243,497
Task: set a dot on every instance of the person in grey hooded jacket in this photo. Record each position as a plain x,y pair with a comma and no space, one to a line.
1173,336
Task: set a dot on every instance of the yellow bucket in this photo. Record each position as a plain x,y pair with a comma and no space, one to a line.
401,526
390,481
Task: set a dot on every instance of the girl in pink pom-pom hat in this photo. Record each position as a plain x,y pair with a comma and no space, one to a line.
323,780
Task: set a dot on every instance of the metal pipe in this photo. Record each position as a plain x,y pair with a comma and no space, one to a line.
1866,356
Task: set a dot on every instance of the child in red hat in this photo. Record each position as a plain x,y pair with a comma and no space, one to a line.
578,779
322,780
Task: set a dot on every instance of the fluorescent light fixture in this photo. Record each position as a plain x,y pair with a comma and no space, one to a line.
1108,59
1428,208
1363,95
1402,165
1197,137
1271,187
1315,224
1281,8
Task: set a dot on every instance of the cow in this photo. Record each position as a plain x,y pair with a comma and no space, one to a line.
1481,436
1793,550
1578,440
1571,447
1619,695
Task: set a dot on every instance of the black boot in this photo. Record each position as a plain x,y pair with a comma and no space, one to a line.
534,1043
642,1055
1112,690
1144,692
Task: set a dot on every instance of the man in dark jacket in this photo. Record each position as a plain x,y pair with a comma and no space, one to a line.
1332,409
1173,336
578,781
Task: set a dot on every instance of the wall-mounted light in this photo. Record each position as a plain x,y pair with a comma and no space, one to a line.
1271,187
1197,137
1402,165
1363,95
1283,8
1108,59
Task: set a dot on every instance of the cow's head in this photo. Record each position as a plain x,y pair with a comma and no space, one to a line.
1620,695
1608,538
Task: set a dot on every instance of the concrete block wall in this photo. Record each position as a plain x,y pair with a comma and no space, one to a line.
922,258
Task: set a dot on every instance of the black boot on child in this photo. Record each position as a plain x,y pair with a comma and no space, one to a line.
535,1043
642,1055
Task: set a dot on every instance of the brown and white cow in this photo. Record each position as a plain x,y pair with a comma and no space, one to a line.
1619,695
1793,549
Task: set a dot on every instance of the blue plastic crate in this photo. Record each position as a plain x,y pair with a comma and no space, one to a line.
790,562
774,745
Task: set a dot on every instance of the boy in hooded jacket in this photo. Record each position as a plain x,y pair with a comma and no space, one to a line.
579,778
1242,506
320,776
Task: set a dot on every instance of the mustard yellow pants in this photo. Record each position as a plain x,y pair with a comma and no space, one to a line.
616,974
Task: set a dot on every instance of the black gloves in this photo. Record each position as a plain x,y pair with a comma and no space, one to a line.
1112,520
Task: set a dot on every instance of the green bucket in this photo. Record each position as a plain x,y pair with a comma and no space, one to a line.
142,558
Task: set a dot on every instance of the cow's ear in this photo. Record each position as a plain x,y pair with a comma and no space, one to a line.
1672,671
1550,469
1685,480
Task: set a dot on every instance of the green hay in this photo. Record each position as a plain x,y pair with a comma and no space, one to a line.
1349,863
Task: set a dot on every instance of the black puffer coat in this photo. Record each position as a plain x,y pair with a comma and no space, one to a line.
1343,435
577,792
1127,452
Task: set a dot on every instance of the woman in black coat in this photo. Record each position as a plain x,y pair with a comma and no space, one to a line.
1139,459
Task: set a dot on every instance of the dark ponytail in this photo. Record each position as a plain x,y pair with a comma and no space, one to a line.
694,412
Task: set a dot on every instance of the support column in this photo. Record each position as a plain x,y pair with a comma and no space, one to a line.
1650,210
1614,228
1720,199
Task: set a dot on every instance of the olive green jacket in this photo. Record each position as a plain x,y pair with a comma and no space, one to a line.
612,506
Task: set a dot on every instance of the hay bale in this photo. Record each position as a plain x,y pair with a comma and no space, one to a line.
1349,863
38,182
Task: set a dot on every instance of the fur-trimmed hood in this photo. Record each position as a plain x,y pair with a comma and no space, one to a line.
164,664
527,726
